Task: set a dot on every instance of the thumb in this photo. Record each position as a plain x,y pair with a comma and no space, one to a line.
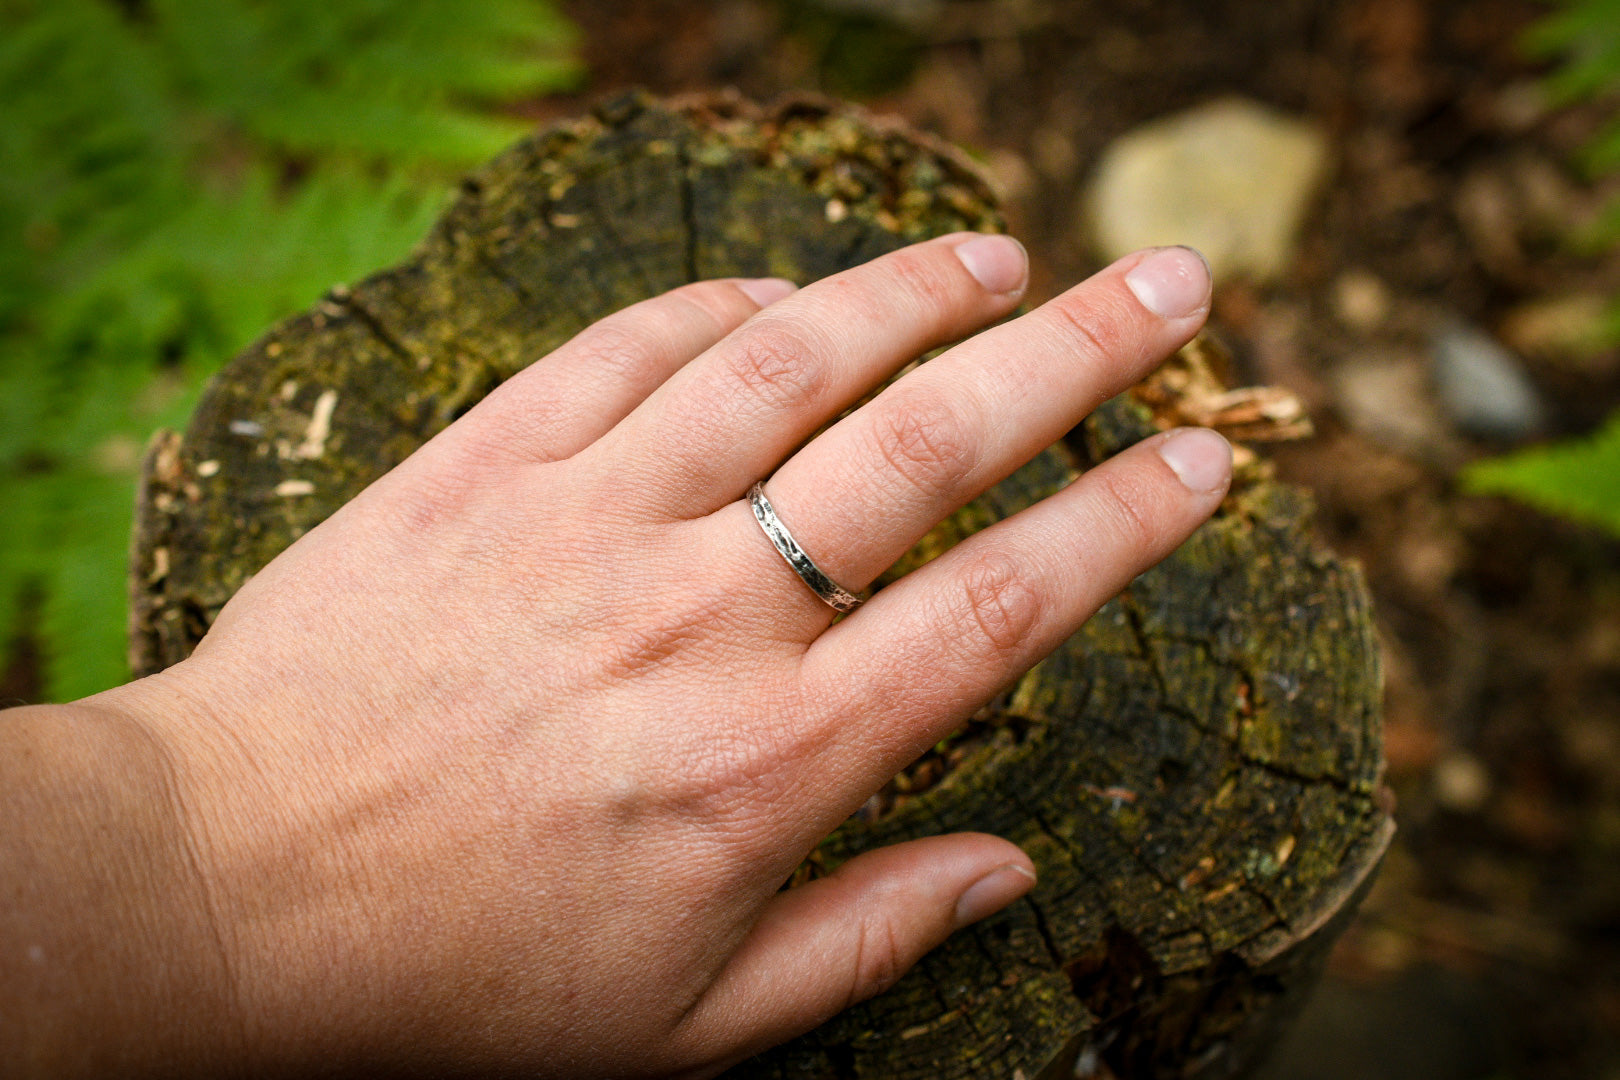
826,945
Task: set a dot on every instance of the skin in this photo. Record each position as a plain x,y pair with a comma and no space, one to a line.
500,770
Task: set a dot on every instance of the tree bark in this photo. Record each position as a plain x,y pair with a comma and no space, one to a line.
1196,772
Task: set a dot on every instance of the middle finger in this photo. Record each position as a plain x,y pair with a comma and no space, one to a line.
862,494
731,415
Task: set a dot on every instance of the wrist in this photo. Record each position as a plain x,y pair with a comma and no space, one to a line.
270,820
126,965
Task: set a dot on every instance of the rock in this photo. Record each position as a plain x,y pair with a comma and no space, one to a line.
1491,215
1388,399
1231,178
1520,106
1360,300
1572,331
1510,211
1482,386
1462,783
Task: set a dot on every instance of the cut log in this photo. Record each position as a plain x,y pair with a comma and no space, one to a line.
1196,772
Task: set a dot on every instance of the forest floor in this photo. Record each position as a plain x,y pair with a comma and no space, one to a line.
1491,946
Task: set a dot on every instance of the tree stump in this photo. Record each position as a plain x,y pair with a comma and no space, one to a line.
1196,772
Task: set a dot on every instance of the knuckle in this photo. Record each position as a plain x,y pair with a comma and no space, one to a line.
533,426
720,303
623,347
776,364
439,497
709,782
923,439
1129,503
877,961
918,272
998,606
1092,326
518,418
720,781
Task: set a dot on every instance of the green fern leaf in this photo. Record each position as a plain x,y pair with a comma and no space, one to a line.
1579,478
175,183
83,620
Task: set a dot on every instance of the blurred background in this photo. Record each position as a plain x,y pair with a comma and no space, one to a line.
1411,208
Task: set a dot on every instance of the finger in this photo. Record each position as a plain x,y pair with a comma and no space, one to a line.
863,493
565,401
733,414
824,946
928,650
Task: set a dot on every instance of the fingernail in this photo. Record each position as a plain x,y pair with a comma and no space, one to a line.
1172,282
993,892
1199,457
999,263
766,291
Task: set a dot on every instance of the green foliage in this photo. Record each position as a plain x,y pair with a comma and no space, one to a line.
179,174
1585,36
858,54
1579,478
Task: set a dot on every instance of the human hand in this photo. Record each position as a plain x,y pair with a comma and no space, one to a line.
502,767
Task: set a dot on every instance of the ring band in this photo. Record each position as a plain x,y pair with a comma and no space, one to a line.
832,594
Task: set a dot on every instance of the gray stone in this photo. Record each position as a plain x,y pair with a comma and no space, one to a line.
1482,386
1231,178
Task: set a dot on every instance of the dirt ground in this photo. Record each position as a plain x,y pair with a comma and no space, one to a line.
1491,947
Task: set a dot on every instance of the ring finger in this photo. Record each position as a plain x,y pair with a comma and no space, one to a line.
860,495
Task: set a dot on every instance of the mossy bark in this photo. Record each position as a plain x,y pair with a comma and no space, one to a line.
1196,771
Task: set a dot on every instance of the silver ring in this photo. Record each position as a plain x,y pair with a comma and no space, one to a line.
832,594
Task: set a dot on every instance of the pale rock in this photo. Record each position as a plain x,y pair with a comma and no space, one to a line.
1387,398
1231,178
1360,300
1461,782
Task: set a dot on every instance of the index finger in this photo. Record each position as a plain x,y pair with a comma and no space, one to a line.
930,649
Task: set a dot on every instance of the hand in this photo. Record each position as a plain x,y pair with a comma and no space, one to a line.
503,766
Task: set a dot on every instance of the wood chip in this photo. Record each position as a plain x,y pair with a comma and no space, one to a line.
320,426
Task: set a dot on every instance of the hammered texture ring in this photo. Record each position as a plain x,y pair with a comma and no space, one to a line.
832,594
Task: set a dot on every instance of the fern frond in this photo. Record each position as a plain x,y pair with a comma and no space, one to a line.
174,184
1578,478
